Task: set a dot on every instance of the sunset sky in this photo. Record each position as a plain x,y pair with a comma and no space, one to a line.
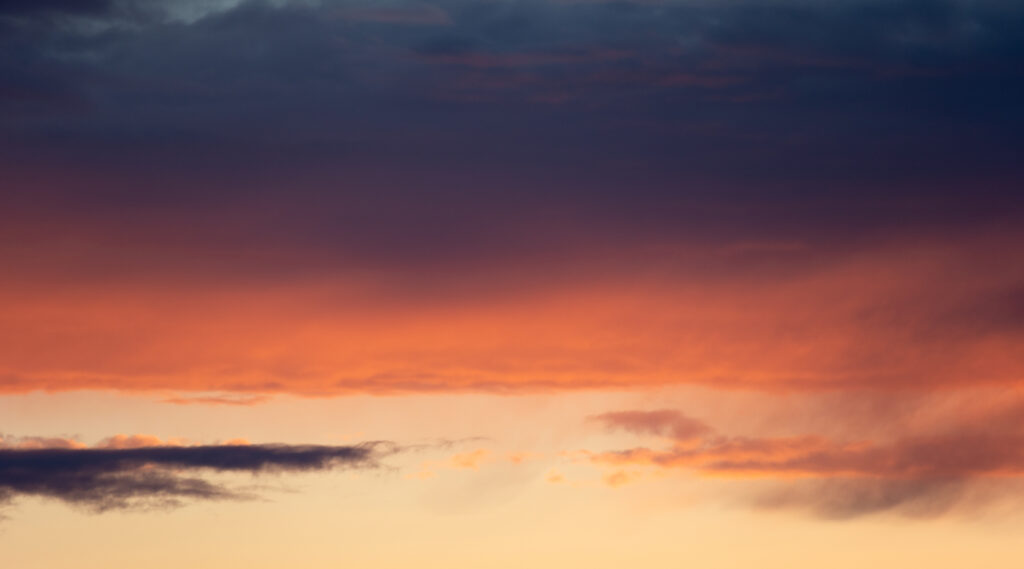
475,284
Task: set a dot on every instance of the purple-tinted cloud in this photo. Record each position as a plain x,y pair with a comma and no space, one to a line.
101,479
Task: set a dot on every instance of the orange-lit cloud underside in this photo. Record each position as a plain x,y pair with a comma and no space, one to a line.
989,444
896,315
967,462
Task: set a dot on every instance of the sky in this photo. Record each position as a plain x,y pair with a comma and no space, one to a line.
502,283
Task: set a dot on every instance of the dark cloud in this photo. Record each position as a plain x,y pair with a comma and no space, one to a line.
310,128
22,7
110,478
873,90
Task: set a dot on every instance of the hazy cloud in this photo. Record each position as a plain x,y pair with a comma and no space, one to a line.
919,474
665,422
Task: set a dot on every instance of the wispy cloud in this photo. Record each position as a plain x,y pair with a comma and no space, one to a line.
923,474
234,400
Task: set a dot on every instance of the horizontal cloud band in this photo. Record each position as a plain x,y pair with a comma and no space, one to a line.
924,473
110,478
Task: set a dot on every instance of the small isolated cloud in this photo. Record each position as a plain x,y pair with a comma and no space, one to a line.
620,478
554,477
665,422
472,460
144,471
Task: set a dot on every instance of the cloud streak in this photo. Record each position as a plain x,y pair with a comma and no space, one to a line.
632,315
921,474
133,472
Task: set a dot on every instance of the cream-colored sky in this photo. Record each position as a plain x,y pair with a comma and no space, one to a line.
501,513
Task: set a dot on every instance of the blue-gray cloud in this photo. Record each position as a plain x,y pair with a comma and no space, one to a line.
101,479
866,89
413,136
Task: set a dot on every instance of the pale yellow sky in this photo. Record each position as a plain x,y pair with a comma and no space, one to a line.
499,514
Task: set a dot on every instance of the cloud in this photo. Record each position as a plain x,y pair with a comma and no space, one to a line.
470,460
628,316
927,474
219,400
473,460
619,478
723,194
22,7
139,471
121,441
402,13
665,422
11,442
841,499
747,74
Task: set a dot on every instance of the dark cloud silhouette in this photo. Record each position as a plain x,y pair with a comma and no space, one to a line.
616,117
101,479
22,7
831,90
634,121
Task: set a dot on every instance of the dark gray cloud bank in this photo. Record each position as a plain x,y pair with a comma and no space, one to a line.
793,93
101,479
419,135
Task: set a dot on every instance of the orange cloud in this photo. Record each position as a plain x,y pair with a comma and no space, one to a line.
469,460
137,441
619,478
798,319
219,400
554,477
852,476
10,442
115,442
522,457
664,423
992,447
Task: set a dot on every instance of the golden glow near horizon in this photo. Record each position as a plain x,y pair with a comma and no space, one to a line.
496,511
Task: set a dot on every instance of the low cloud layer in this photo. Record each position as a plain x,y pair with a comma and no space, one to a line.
130,472
899,314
